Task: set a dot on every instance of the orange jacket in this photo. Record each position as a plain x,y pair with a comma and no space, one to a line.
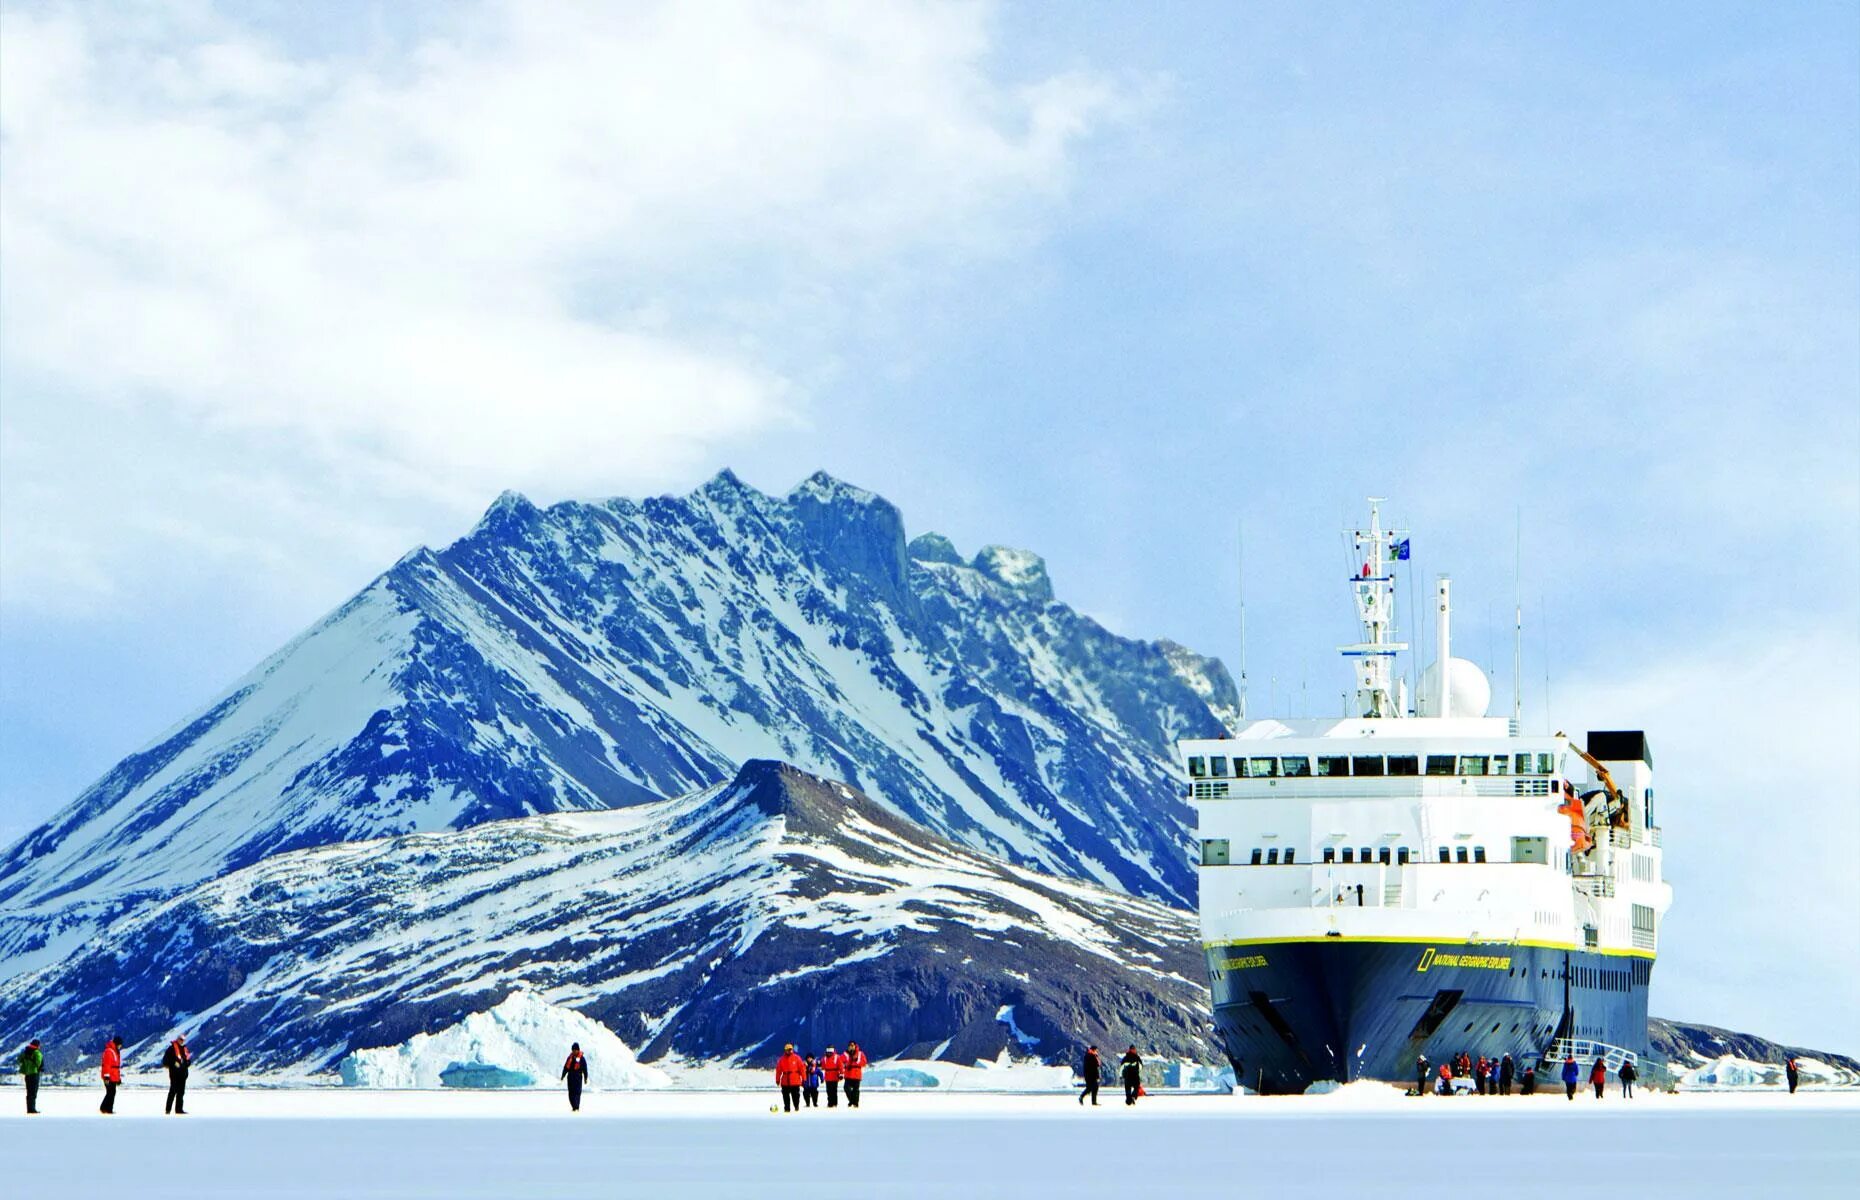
112,1064
832,1067
855,1064
791,1071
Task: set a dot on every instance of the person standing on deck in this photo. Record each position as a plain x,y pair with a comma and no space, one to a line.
855,1063
1132,1065
112,1072
176,1060
575,1070
31,1062
1572,1075
1093,1070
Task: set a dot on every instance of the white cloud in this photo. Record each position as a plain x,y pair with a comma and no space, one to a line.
257,298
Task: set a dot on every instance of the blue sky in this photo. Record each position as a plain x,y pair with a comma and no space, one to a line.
284,298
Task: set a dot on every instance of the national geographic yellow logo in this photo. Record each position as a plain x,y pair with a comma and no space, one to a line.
1431,957
1240,964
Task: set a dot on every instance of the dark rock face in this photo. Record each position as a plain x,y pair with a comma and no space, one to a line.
591,656
1681,1044
776,907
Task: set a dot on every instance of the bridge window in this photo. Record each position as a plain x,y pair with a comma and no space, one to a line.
1217,766
1262,768
1404,764
1330,854
1256,856
1478,854
1296,767
1197,766
1501,764
1366,764
1524,764
1546,764
1472,764
1333,766
1460,854
1349,855
1440,764
1272,857
1214,852
1382,856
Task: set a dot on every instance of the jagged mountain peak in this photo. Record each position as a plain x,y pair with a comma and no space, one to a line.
831,489
1020,571
933,548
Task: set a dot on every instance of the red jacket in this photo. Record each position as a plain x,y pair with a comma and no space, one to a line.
1599,1072
791,1071
854,1064
112,1064
832,1067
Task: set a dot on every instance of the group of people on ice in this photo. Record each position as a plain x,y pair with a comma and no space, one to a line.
1130,1070
800,1077
176,1059
1489,1076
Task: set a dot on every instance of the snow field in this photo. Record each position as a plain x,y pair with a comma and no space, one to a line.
349,1142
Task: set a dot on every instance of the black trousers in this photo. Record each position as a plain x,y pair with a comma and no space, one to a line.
32,1093
1130,1090
833,1093
109,1097
810,1096
177,1093
574,1092
790,1097
852,1093
1090,1092
1504,1087
1627,1089
1569,1091
1793,1080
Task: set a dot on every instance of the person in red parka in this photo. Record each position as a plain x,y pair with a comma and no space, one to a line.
855,1064
1598,1076
833,1069
790,1073
112,1071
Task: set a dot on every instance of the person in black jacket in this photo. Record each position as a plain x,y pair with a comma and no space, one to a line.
575,1070
1132,1064
1793,1073
176,1059
1093,1071
1628,1073
1422,1077
1507,1071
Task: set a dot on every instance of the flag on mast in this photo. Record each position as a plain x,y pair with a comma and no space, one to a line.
1398,551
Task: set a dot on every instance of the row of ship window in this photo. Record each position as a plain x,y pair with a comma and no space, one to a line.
1300,766
1217,852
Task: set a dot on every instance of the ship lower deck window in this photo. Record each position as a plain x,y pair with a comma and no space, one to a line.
1472,764
1404,764
1382,856
1290,855
1446,855
1256,856
1333,766
1440,764
1401,856
1366,764
1478,854
1296,767
1349,855
1272,857
1217,766
1366,855
1460,854
1330,854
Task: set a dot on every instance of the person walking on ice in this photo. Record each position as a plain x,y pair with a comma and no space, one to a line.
1598,1076
790,1072
112,1071
575,1070
1132,1065
176,1060
1093,1070
1628,1075
31,1062
1793,1073
1572,1075
855,1063
832,1070
810,1085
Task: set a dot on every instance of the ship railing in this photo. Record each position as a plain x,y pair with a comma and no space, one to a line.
1344,787
1586,1052
1634,837
1600,886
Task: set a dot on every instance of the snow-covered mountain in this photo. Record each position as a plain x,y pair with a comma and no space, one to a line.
775,907
592,656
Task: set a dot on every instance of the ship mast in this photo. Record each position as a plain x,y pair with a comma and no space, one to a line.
1378,693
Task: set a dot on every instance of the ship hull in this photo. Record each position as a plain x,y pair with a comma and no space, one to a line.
1293,1013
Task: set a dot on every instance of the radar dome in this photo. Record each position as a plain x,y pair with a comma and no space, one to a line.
1472,692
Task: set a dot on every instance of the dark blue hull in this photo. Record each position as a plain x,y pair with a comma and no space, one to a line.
1293,1013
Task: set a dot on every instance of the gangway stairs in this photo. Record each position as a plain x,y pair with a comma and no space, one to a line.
1585,1053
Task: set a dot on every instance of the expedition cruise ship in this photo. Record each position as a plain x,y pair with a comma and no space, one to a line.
1422,878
